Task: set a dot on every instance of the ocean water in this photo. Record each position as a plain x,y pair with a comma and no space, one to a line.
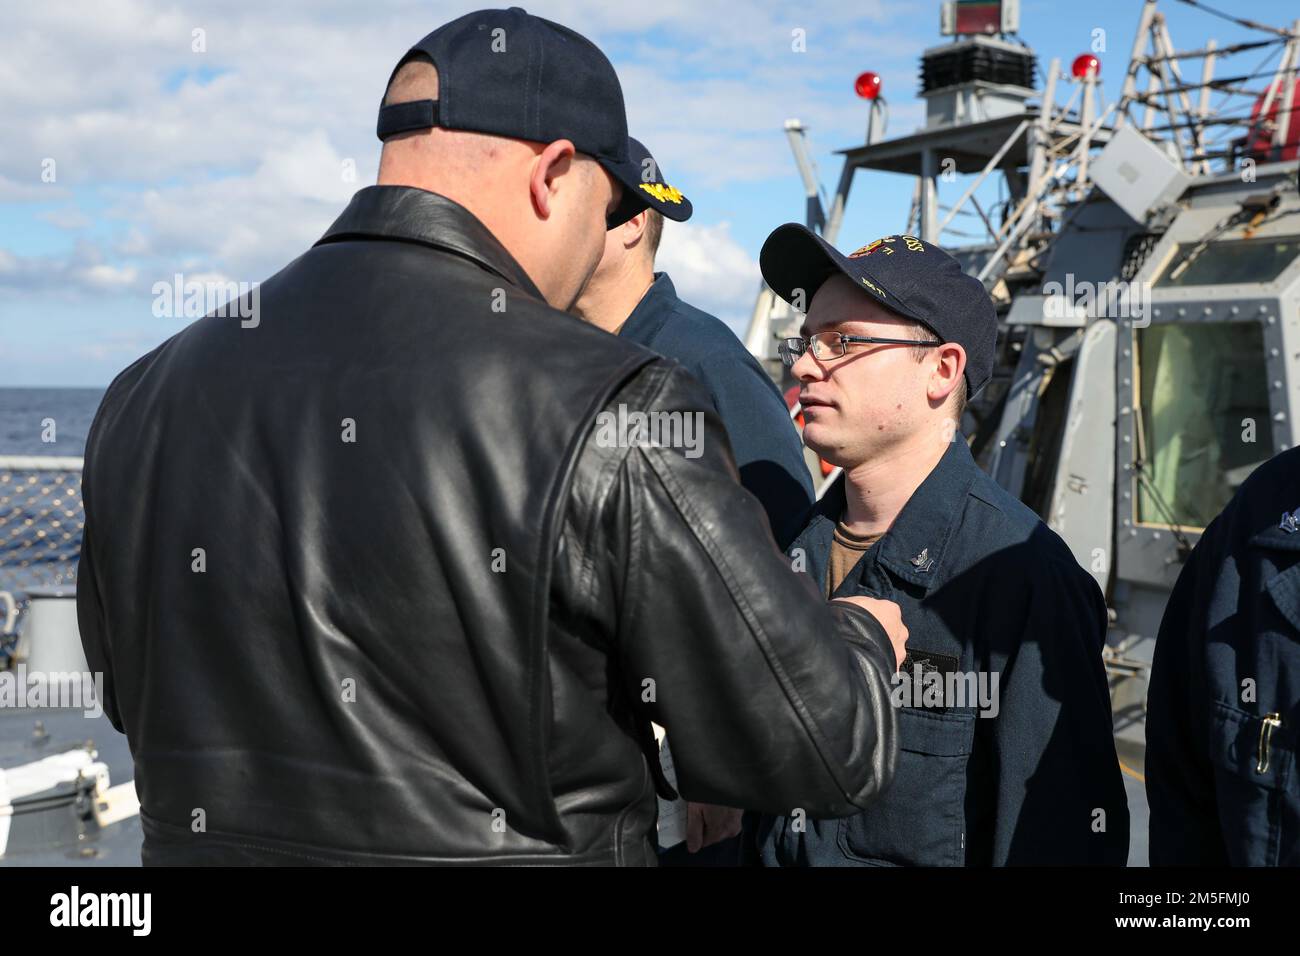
40,509
22,411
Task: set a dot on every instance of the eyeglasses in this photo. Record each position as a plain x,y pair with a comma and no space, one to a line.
826,345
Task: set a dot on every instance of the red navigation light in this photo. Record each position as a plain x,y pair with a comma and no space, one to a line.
1084,64
867,85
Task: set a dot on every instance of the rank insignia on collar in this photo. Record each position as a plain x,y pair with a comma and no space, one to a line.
1290,523
923,562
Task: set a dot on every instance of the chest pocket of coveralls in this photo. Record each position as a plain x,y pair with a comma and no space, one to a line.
1254,750
920,818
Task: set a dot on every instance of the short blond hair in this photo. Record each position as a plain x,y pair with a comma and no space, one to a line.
654,230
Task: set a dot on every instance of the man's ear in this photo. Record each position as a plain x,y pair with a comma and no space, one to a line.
548,167
634,228
947,372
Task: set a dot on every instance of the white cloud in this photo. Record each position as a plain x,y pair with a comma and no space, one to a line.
231,160
82,272
109,277
67,217
710,270
30,188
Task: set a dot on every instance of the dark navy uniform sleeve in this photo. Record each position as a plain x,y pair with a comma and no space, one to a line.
1059,795
1179,779
766,446
764,441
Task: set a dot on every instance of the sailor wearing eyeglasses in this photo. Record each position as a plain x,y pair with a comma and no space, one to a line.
1006,748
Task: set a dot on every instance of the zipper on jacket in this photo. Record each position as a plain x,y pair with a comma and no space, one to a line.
1265,734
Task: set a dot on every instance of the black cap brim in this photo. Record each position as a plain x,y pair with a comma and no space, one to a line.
638,195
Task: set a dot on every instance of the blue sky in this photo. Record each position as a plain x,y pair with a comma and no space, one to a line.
226,162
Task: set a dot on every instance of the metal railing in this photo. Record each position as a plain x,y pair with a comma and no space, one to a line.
41,521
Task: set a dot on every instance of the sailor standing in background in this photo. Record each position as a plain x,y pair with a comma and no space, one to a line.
1224,700
627,297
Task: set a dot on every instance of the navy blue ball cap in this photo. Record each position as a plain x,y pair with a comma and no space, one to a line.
646,188
508,73
908,276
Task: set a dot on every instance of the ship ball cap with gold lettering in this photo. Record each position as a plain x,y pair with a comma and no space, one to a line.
908,276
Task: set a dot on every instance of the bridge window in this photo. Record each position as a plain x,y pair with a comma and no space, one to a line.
1203,422
1230,262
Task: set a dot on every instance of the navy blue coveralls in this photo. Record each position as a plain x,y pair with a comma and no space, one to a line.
984,587
763,439
767,449
1223,706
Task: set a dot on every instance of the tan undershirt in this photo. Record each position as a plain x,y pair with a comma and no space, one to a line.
846,549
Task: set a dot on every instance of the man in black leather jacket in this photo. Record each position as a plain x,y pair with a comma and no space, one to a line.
388,573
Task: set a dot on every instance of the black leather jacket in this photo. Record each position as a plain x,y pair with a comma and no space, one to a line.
367,585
